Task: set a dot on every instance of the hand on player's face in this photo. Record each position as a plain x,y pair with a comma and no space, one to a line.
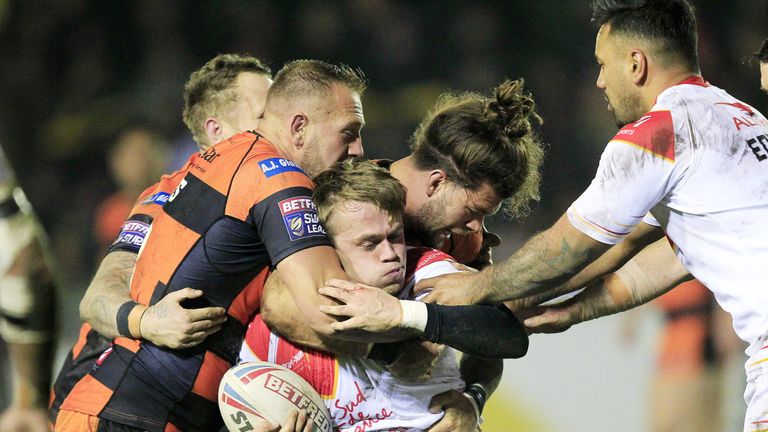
369,309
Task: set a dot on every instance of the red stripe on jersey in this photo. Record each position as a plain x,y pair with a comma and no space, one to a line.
652,132
421,257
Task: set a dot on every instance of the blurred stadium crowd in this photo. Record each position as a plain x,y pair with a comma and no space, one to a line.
91,91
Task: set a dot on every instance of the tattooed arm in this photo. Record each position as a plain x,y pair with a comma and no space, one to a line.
543,263
165,323
642,236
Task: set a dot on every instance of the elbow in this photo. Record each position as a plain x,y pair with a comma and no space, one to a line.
521,347
84,309
268,314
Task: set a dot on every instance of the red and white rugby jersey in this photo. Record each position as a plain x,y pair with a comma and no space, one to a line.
359,393
698,161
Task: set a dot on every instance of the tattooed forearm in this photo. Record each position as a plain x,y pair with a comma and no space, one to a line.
546,261
109,289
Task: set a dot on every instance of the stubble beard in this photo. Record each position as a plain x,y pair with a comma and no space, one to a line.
421,227
312,163
628,110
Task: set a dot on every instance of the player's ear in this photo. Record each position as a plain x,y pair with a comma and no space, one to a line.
298,128
213,130
435,179
639,64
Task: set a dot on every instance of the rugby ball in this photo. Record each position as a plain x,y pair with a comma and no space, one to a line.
258,391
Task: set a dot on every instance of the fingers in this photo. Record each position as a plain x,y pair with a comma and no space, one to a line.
334,293
194,314
350,324
185,293
438,402
426,284
341,284
336,310
297,422
550,321
432,297
303,422
215,314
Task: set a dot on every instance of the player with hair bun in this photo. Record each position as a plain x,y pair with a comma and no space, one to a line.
470,155
688,158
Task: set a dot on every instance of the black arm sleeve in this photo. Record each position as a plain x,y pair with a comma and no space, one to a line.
489,331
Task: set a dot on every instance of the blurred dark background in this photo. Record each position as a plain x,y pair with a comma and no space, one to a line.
76,73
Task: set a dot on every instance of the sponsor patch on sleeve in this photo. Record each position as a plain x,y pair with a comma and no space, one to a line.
274,166
159,198
131,236
300,218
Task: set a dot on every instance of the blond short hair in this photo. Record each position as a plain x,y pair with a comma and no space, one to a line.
210,90
360,181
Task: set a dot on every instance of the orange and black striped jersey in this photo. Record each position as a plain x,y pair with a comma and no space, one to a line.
239,210
90,344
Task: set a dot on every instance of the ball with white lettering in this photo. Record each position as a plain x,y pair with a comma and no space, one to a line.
261,390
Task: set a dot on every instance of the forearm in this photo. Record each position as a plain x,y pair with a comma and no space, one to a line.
546,261
651,273
609,262
478,370
279,311
109,290
489,331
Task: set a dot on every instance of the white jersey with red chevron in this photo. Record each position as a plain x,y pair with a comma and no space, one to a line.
698,161
361,395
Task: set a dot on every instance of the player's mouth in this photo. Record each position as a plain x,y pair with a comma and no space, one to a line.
395,274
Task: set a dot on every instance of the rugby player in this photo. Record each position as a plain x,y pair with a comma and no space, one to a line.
689,153
239,209
361,207
225,96
27,307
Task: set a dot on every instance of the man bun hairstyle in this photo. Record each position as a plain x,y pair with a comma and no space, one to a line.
476,139
300,78
358,181
211,89
670,24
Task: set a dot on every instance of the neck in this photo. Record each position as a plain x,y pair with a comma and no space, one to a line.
270,130
668,78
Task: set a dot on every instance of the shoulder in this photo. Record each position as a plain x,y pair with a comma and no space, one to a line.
425,263
264,161
653,133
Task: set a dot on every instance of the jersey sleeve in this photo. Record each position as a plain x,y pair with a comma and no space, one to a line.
136,228
635,172
318,368
285,216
